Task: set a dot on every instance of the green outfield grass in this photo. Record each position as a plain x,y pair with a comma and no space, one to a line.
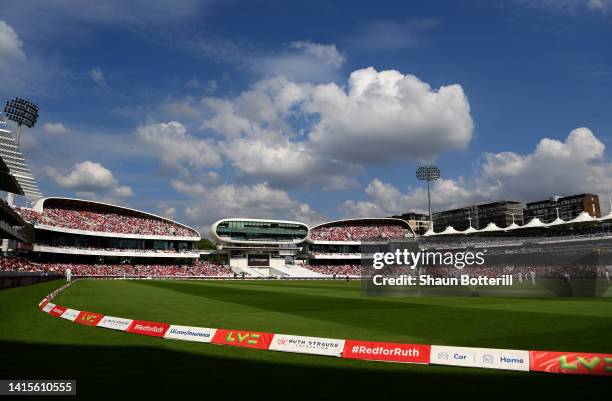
113,364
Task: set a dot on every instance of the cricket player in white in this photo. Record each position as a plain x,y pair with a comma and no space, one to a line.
68,274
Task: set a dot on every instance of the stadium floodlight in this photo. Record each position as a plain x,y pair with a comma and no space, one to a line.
21,112
429,174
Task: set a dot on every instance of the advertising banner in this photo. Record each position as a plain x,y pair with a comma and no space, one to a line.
48,306
573,363
384,351
490,358
88,318
258,260
307,345
70,314
42,303
153,329
115,323
190,333
57,311
243,338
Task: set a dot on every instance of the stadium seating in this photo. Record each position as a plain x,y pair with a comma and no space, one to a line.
198,269
338,270
358,233
138,250
104,222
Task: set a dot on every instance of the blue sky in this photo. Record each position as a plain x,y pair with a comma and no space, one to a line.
312,110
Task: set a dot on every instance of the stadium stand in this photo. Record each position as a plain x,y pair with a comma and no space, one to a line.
198,269
88,220
358,233
337,270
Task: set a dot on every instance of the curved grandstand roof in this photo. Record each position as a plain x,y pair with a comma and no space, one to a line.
264,233
67,203
364,220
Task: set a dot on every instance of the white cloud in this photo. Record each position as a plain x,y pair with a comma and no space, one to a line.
327,133
253,201
209,177
576,165
186,188
385,200
603,6
303,61
327,54
11,47
55,128
387,115
90,177
187,108
176,148
287,164
168,212
97,75
20,73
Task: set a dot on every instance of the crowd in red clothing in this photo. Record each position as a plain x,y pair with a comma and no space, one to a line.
198,269
104,222
138,250
338,270
358,233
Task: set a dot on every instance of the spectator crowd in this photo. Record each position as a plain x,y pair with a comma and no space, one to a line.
198,269
337,270
104,222
358,233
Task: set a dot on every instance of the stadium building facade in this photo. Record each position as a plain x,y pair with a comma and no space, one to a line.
83,231
419,222
336,247
260,248
502,214
565,208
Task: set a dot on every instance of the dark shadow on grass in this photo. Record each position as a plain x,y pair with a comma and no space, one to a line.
147,373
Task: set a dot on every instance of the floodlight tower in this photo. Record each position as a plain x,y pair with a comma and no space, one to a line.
428,173
22,112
